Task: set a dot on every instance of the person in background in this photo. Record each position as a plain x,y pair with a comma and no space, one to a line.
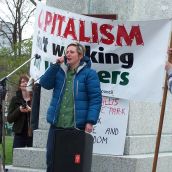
168,68
19,114
76,99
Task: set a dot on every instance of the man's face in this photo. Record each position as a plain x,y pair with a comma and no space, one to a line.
73,58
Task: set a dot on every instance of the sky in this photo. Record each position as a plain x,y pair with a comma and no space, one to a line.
29,28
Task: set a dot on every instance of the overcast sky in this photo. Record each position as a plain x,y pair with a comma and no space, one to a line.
28,29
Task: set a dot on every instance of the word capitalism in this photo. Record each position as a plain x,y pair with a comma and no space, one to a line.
59,25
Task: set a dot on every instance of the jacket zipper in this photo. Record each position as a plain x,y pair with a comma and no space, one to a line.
74,114
77,88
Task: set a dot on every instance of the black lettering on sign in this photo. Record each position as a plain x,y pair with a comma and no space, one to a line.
113,131
100,139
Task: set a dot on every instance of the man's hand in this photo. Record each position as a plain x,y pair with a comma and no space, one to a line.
168,65
169,51
60,60
88,127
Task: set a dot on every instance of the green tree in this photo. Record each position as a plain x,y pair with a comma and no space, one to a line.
13,18
9,64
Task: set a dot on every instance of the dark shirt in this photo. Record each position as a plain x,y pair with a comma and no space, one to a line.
20,120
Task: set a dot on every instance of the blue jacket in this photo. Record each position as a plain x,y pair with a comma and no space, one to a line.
86,92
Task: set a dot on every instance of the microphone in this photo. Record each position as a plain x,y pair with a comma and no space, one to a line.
65,60
58,61
61,60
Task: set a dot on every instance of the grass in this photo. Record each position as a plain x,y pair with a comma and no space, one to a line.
8,149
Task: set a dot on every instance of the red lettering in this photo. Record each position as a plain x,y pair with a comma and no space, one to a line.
54,23
94,33
82,36
48,20
70,29
61,20
109,101
116,111
134,33
39,20
110,37
59,25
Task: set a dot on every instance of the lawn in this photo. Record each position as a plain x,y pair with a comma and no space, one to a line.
8,149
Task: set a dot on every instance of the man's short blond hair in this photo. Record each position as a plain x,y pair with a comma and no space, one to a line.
80,48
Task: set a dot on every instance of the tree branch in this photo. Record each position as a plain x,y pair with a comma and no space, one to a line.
6,35
33,2
27,18
11,11
3,21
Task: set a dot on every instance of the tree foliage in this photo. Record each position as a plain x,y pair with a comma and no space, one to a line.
9,64
15,16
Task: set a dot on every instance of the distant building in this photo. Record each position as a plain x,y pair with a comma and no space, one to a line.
4,41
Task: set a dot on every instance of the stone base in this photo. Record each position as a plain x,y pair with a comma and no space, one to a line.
22,169
131,163
30,160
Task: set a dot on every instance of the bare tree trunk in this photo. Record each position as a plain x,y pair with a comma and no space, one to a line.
19,27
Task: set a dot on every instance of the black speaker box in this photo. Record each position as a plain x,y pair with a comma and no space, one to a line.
72,151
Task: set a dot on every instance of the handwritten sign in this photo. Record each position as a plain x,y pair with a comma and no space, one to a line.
110,132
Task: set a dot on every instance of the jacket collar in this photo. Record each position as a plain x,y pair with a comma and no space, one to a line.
84,62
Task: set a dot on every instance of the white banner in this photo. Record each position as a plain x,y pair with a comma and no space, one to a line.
110,132
129,57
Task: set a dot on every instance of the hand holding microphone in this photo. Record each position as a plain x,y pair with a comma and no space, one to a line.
60,60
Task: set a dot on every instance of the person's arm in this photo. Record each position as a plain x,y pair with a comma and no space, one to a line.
95,100
168,68
13,111
47,80
16,110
